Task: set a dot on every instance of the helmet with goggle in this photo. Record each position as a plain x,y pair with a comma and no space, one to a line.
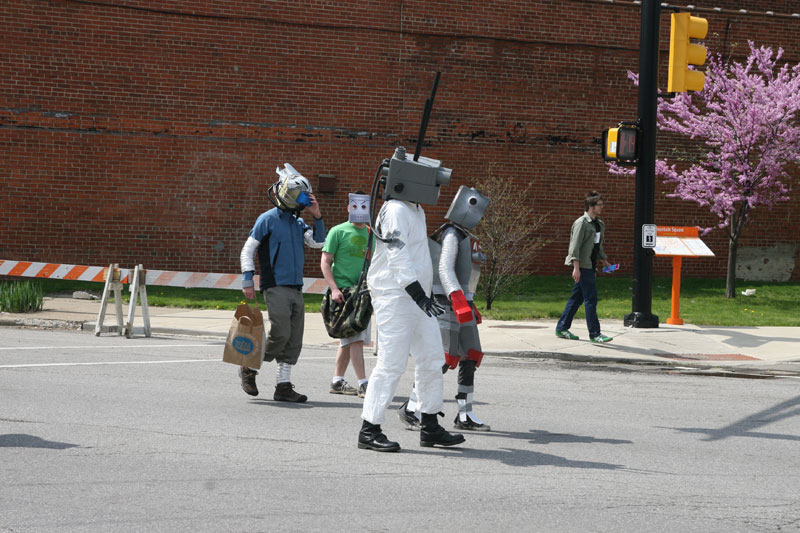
292,189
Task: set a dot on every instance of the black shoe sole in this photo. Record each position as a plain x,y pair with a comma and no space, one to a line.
429,444
472,428
284,399
251,393
363,446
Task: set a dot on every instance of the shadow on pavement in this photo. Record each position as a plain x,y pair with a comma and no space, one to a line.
740,339
745,426
515,457
22,440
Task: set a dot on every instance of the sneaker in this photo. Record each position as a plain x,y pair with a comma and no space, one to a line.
601,339
409,418
284,392
248,376
470,425
362,390
342,387
566,334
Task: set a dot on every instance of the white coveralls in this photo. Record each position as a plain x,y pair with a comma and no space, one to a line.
403,328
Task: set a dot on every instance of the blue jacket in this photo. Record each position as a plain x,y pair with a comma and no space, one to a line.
280,251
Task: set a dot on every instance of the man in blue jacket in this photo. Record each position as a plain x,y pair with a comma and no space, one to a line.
278,236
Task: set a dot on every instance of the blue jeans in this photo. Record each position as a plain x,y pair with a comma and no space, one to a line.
584,292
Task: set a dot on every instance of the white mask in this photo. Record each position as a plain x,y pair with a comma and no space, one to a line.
358,208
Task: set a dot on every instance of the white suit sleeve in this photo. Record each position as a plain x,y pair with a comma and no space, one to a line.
395,226
308,238
246,258
447,261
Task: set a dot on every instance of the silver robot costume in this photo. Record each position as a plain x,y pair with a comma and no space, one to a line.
456,253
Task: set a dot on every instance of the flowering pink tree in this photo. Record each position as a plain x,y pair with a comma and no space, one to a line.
747,118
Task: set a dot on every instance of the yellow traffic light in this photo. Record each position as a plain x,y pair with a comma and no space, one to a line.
682,53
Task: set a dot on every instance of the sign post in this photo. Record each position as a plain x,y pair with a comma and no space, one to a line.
679,242
641,315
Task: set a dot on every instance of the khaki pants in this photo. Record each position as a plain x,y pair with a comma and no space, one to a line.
286,313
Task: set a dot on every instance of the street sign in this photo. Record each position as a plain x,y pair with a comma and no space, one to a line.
683,241
679,242
649,235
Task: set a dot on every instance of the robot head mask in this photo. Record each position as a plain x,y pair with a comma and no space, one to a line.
292,189
358,208
413,180
467,207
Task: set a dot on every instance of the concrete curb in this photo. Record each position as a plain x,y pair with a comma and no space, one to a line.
762,370
42,323
687,367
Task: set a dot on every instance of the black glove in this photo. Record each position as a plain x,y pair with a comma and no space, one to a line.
425,303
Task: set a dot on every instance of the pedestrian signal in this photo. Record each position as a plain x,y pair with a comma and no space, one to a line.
620,144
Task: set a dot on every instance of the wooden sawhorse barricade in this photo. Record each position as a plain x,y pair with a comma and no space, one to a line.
138,290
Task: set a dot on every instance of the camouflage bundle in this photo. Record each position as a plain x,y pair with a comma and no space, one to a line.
346,319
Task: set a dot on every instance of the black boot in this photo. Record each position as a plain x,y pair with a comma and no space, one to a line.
284,392
248,376
432,433
372,438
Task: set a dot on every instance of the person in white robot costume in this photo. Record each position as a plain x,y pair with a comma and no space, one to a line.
456,254
400,279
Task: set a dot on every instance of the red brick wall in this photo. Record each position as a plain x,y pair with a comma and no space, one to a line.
147,131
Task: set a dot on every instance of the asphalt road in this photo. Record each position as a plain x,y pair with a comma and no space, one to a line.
112,434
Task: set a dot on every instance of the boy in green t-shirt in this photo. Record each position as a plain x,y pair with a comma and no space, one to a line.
341,263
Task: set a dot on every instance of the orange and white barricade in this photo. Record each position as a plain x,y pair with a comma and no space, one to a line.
29,269
114,278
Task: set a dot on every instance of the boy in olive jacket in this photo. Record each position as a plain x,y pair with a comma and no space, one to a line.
585,248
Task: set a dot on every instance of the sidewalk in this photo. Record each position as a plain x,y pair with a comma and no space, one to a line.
776,349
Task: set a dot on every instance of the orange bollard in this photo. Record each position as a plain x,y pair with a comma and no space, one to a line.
676,292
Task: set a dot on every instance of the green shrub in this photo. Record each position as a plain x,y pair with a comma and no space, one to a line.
21,297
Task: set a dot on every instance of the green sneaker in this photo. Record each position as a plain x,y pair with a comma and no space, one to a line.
566,334
601,339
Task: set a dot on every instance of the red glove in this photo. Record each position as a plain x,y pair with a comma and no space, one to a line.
460,307
478,317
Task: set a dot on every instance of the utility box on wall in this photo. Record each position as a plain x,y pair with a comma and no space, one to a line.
326,183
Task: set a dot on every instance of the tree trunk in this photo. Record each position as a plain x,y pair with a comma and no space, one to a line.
489,295
730,284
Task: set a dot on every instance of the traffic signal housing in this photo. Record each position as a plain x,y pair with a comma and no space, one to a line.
620,144
683,53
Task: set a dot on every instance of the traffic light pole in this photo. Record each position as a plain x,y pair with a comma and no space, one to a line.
641,315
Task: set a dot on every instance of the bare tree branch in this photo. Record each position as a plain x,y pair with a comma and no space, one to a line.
509,233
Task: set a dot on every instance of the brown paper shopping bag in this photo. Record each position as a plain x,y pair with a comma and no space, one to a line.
246,338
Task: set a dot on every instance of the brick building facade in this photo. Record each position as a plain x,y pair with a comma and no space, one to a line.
144,131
